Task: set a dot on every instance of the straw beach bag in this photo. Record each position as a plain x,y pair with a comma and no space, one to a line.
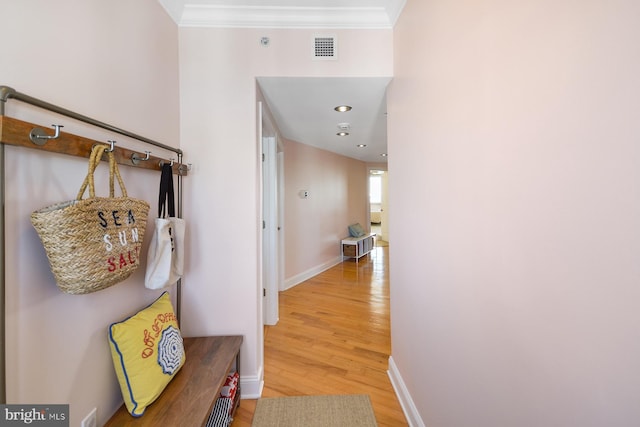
93,243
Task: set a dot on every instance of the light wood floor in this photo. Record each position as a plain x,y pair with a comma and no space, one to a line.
333,337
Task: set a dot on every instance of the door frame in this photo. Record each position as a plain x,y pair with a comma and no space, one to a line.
271,259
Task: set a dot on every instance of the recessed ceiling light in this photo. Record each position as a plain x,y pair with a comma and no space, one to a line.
342,133
361,145
342,108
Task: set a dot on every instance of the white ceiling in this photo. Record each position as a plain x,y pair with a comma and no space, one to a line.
303,107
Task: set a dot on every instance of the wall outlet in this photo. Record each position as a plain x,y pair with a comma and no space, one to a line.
90,420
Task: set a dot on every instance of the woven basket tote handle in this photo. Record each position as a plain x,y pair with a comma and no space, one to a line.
94,161
114,171
96,151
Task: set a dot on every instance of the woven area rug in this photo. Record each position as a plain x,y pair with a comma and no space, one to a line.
315,411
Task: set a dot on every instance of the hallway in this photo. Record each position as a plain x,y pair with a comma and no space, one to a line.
333,337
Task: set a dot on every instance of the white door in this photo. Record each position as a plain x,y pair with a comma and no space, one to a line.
280,228
270,218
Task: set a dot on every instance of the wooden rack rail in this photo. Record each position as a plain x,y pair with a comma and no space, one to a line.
16,132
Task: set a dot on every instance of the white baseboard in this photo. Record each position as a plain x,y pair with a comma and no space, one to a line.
306,275
251,386
408,407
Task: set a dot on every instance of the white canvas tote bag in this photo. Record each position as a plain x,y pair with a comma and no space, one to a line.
165,259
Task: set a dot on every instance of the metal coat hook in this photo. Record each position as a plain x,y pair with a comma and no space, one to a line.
183,167
170,164
135,159
39,137
113,145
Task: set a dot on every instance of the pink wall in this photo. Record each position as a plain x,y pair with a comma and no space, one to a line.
513,151
337,188
218,70
117,62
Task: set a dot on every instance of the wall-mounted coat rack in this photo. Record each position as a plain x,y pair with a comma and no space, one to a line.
21,133
29,135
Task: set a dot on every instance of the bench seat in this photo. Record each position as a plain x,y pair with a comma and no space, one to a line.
189,398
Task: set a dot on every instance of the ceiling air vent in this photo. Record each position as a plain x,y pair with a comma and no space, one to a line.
325,47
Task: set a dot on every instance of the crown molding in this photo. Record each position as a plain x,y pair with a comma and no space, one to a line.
173,9
201,14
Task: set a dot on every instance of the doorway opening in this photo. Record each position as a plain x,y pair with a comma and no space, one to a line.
378,208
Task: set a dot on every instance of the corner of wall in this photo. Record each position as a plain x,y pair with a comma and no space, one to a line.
404,397
252,386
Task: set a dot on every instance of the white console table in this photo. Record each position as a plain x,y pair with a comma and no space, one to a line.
357,247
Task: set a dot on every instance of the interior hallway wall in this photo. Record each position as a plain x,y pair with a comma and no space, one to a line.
218,68
314,226
117,62
514,157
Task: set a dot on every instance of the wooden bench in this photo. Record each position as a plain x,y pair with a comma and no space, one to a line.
356,247
189,398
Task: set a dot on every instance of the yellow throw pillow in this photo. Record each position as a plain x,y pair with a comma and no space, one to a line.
147,351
